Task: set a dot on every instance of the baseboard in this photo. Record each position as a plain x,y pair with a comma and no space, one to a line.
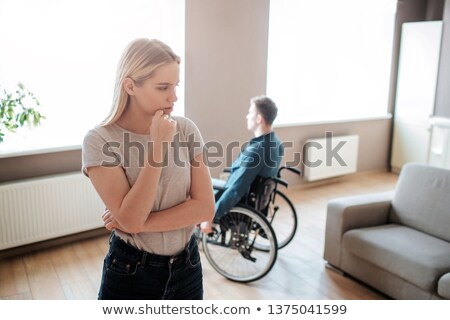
319,183
335,269
52,242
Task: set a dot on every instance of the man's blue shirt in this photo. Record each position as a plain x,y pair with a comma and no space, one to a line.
261,157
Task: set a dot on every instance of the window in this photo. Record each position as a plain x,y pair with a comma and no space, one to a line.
66,53
330,60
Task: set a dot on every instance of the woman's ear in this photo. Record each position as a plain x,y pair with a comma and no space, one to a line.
128,85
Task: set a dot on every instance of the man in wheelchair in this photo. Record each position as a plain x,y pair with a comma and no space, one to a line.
260,159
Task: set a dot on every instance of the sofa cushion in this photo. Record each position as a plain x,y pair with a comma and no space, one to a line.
421,200
412,255
444,286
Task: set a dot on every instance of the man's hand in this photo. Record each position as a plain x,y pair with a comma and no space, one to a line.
206,227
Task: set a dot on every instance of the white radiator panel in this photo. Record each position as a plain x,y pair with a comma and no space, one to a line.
317,152
44,208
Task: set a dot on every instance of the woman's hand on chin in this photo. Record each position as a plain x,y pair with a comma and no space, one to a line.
163,127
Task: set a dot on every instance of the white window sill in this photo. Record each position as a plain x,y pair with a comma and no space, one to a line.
10,153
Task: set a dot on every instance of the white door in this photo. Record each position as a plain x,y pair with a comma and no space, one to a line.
416,89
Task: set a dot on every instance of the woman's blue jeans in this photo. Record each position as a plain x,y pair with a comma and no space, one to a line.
129,273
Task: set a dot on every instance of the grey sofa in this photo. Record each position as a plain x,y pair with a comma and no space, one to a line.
396,242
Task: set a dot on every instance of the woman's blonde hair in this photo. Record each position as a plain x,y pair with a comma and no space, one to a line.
138,62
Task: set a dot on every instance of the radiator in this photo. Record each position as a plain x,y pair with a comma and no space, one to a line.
320,163
39,209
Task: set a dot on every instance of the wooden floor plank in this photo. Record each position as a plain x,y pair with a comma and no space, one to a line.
67,265
13,277
91,258
82,290
42,276
20,296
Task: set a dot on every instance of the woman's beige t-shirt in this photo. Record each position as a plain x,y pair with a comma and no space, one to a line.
112,145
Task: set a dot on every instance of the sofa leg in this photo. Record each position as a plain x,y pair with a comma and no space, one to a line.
335,269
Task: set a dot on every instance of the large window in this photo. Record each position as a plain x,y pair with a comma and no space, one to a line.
66,53
330,60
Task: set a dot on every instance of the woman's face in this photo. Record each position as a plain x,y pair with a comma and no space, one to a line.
159,91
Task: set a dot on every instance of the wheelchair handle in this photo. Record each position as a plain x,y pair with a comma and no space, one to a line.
280,181
292,169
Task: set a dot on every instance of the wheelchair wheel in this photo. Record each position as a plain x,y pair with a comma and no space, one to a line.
282,216
231,250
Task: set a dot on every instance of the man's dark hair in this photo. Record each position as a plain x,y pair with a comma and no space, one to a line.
266,107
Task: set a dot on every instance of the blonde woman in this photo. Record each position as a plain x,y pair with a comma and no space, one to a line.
147,166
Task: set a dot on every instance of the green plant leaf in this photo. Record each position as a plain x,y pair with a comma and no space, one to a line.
10,117
22,118
36,118
10,114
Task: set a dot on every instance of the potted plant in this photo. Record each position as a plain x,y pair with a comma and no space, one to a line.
18,108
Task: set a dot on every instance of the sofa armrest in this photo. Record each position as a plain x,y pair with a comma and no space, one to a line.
444,286
344,214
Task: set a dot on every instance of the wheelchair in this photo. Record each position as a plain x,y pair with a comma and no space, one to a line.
245,242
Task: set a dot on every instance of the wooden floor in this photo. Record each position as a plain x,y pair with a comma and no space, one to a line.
73,271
